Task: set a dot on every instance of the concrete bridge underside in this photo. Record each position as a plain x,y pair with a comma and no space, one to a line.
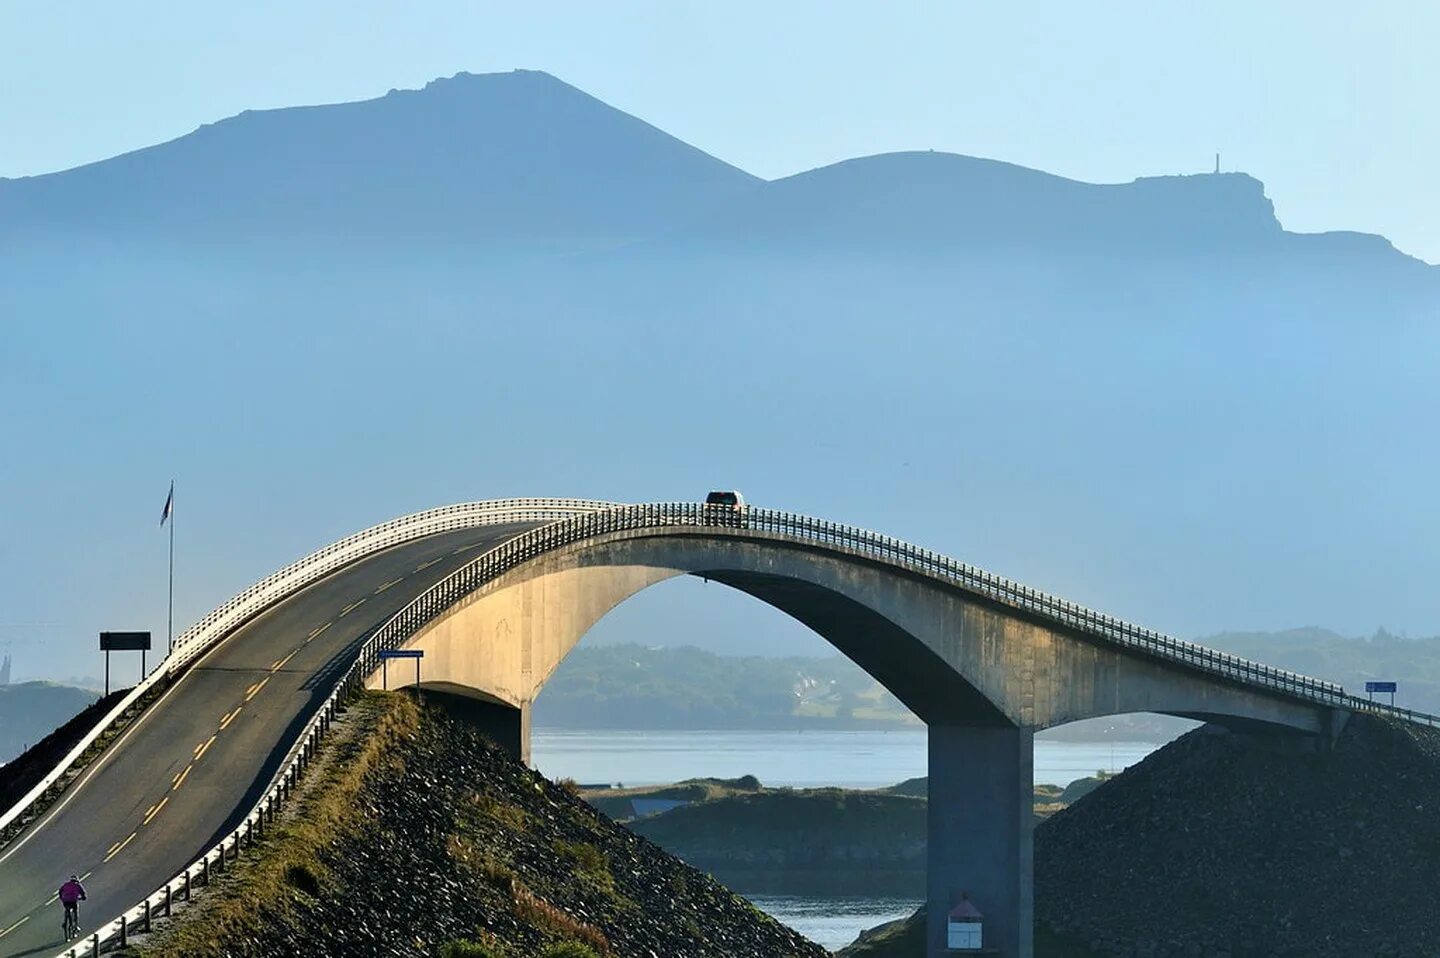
983,676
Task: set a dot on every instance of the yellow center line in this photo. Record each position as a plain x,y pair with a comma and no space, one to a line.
255,689
280,663
353,605
389,584
20,922
317,632
425,565
200,752
225,722
121,847
155,810
111,850
49,901
179,780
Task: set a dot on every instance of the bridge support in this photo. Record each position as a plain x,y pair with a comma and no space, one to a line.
981,823
506,725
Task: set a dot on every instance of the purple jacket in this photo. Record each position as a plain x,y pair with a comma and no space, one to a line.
71,892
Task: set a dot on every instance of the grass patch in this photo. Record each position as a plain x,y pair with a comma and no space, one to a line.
569,949
287,870
592,866
485,946
531,908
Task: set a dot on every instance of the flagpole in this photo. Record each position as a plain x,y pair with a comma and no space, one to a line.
170,621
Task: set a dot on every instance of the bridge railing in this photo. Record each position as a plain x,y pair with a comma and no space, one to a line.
579,527
887,549
203,635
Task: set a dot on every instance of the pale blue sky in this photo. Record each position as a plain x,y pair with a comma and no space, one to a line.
1331,104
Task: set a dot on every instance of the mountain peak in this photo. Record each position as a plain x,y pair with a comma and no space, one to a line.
512,156
937,199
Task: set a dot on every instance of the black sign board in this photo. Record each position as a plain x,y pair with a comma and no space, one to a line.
124,641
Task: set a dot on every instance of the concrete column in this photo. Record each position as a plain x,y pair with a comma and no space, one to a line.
522,747
981,824
506,725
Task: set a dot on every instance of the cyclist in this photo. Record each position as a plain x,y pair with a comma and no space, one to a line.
71,894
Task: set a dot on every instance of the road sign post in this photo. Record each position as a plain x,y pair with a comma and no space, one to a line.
387,654
123,642
1382,687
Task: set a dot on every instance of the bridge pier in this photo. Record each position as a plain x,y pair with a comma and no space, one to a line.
981,824
508,726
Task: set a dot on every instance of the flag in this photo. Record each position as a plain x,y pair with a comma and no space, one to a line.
169,504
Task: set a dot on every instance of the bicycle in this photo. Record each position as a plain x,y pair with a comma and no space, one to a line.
70,926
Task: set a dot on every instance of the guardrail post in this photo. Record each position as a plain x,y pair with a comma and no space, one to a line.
168,900
204,874
185,887
95,945
124,931
145,917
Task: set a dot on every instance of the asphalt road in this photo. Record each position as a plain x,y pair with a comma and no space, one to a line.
187,772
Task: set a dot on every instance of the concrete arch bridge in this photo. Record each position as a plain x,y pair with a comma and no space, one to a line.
498,593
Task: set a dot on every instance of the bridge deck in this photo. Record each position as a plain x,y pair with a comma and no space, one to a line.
126,834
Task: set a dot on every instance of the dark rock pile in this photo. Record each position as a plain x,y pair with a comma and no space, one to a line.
1228,845
1236,846
452,840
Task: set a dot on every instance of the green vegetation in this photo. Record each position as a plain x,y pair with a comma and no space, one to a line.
569,949
1414,663
631,686
485,948
290,868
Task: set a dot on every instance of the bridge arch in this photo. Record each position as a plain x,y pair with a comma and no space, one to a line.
952,656
983,662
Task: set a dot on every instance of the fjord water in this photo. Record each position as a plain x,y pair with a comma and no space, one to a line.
808,759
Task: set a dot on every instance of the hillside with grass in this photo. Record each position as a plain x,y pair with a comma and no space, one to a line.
415,836
638,687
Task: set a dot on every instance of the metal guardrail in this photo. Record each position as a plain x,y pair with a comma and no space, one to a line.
203,635
871,545
665,517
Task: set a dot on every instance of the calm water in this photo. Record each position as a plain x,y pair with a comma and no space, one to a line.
834,922
801,760
798,759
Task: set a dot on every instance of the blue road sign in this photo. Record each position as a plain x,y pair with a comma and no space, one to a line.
402,653
1380,687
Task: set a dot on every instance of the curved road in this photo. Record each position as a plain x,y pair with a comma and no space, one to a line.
196,761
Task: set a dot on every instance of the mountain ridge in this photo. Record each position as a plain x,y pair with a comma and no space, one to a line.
524,156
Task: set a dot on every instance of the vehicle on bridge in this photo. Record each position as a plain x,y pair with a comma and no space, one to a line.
724,507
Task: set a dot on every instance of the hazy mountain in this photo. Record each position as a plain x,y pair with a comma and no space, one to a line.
514,157
939,200
30,711
1147,396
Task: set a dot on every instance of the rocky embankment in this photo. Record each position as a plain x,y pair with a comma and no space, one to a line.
417,837
1230,846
